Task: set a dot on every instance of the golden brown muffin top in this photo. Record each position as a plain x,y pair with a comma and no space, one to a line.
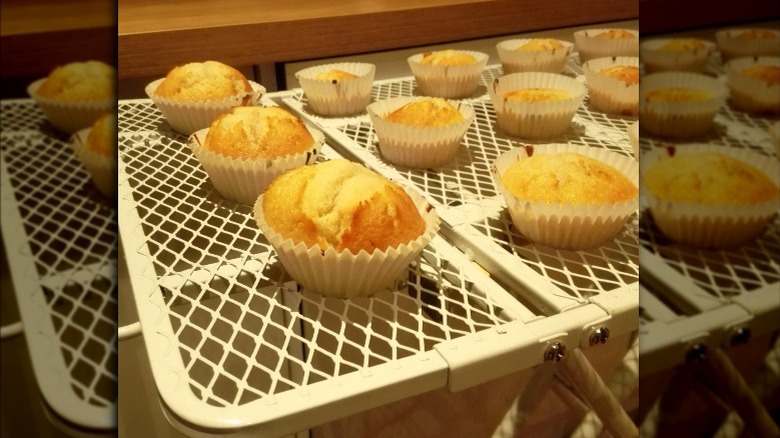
626,73
257,132
447,57
429,111
678,95
342,205
708,178
80,81
615,34
682,45
102,137
537,95
769,74
203,81
567,178
334,76
757,34
539,44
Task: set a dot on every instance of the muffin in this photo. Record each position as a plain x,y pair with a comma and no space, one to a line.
536,105
755,84
710,196
419,132
96,148
613,84
534,54
74,95
342,230
567,196
191,96
600,43
676,54
451,74
737,43
244,150
679,105
342,89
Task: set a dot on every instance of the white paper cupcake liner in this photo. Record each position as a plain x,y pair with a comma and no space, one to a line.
344,274
344,98
514,61
774,135
656,60
66,116
448,81
243,180
711,226
633,137
752,94
731,46
680,119
187,117
611,95
535,120
101,168
573,227
590,47
417,146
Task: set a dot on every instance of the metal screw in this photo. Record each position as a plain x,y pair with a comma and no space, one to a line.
697,353
741,335
599,336
554,352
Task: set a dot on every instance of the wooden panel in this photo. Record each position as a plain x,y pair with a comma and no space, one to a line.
673,15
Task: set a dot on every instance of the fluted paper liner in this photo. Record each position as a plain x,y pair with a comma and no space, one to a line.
568,226
344,274
680,119
611,95
731,46
516,61
417,146
344,98
242,180
705,225
656,60
186,117
590,47
752,94
70,116
535,120
448,81
633,137
102,168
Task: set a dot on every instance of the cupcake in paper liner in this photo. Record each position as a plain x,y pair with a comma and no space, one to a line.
755,84
341,230
450,74
567,196
191,96
709,196
96,148
244,150
676,54
633,137
737,43
599,43
534,54
73,96
679,105
613,84
536,105
420,132
341,89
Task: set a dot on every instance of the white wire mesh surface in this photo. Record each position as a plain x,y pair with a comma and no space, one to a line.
60,237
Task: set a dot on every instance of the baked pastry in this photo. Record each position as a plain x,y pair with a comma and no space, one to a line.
191,96
615,34
567,196
74,95
600,43
534,54
96,148
450,74
525,107
710,196
244,150
613,84
342,230
676,54
737,43
755,84
420,132
341,89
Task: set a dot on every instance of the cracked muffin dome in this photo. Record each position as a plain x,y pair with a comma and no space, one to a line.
203,81
335,76
426,112
448,57
102,137
540,44
342,205
88,80
258,132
